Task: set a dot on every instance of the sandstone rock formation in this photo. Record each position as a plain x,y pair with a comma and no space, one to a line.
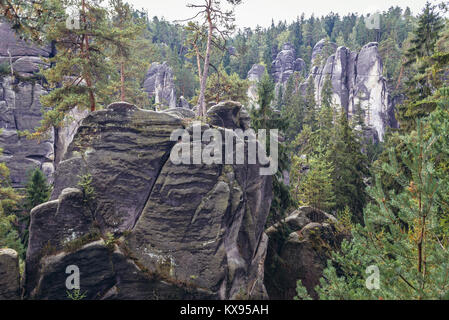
299,250
286,64
20,108
159,84
152,229
9,275
358,86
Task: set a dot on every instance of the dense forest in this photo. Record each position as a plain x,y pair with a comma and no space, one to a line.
389,196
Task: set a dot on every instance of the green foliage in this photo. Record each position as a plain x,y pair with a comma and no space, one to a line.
265,117
350,168
85,184
9,202
223,87
429,67
76,294
402,235
78,243
37,190
293,108
313,187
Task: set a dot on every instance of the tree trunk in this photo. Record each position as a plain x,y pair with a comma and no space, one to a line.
122,81
202,102
85,53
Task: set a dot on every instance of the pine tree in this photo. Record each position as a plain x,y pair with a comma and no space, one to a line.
350,168
313,187
37,190
129,49
401,237
310,104
265,117
80,67
293,108
421,56
223,87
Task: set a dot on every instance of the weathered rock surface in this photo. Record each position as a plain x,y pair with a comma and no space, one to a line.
9,275
21,110
357,81
358,86
181,231
286,64
65,134
299,250
159,84
322,49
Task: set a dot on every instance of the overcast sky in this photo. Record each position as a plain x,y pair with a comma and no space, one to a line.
260,12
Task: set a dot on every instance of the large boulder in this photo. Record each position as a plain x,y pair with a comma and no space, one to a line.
159,84
299,249
153,229
9,275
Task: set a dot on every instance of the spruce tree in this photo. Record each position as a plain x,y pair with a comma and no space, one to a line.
37,190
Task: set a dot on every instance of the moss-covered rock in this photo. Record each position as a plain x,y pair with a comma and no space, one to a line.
176,231
299,250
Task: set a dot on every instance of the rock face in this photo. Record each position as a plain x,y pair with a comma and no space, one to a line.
9,275
20,108
322,48
299,250
179,231
358,86
159,84
254,75
286,64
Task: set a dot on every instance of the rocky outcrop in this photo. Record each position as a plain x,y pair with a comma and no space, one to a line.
357,81
20,109
159,84
286,64
9,275
322,50
153,229
299,250
358,86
